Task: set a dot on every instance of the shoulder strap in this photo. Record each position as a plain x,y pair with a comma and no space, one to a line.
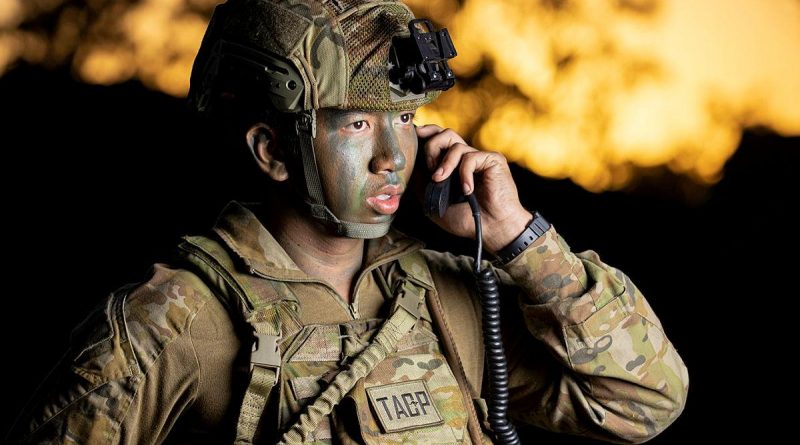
266,305
445,305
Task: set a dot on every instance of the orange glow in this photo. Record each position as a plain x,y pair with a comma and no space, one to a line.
10,13
599,87
588,90
152,40
106,66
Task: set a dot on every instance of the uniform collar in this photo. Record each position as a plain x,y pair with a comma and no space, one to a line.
248,239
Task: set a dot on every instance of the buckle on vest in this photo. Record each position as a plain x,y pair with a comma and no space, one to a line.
265,351
409,300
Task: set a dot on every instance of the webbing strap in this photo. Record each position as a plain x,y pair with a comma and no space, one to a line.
266,305
306,127
262,380
384,343
265,365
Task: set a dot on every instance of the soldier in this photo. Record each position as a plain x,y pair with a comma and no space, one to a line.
309,319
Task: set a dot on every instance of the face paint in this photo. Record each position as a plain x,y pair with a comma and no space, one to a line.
364,160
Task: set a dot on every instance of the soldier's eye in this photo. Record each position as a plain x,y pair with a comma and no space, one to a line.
358,125
406,118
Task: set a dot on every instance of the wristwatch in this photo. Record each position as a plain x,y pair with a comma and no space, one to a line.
536,228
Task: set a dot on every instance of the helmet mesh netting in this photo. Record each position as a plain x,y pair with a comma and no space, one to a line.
368,37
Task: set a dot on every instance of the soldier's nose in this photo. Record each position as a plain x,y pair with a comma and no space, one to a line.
388,157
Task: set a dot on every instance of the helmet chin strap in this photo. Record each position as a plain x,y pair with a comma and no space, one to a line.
311,191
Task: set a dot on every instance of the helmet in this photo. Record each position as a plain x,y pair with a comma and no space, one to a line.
297,56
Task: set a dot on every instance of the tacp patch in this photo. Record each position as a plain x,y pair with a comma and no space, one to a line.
404,406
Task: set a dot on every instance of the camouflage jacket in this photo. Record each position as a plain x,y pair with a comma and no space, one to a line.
163,360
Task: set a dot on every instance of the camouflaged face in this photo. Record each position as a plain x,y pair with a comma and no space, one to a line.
339,47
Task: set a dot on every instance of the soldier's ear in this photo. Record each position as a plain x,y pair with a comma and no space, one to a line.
263,142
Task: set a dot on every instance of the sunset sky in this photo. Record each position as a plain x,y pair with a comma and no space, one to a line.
593,91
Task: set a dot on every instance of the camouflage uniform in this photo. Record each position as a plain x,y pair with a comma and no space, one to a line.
165,360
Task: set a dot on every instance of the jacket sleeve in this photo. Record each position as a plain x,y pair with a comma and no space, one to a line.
609,370
129,373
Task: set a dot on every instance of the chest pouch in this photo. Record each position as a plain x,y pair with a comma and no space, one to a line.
410,397
390,387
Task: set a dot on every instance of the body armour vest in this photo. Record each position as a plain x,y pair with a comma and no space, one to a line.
407,394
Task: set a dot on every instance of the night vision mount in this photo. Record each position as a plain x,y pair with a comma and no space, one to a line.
419,63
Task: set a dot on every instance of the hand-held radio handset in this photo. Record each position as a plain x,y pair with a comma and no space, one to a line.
437,198
440,195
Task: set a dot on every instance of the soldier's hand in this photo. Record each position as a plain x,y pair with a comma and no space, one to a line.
487,175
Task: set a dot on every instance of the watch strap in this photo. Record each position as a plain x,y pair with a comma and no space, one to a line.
536,228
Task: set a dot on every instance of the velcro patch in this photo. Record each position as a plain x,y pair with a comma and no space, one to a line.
403,406
305,387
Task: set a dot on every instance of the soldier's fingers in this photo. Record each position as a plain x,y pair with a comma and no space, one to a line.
477,162
439,142
452,158
426,131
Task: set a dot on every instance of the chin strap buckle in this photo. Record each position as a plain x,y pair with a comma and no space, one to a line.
306,122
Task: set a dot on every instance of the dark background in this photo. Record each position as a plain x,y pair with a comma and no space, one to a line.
99,183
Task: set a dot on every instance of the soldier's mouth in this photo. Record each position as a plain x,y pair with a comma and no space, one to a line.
387,201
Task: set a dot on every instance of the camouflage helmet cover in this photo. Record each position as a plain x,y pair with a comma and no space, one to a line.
338,50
